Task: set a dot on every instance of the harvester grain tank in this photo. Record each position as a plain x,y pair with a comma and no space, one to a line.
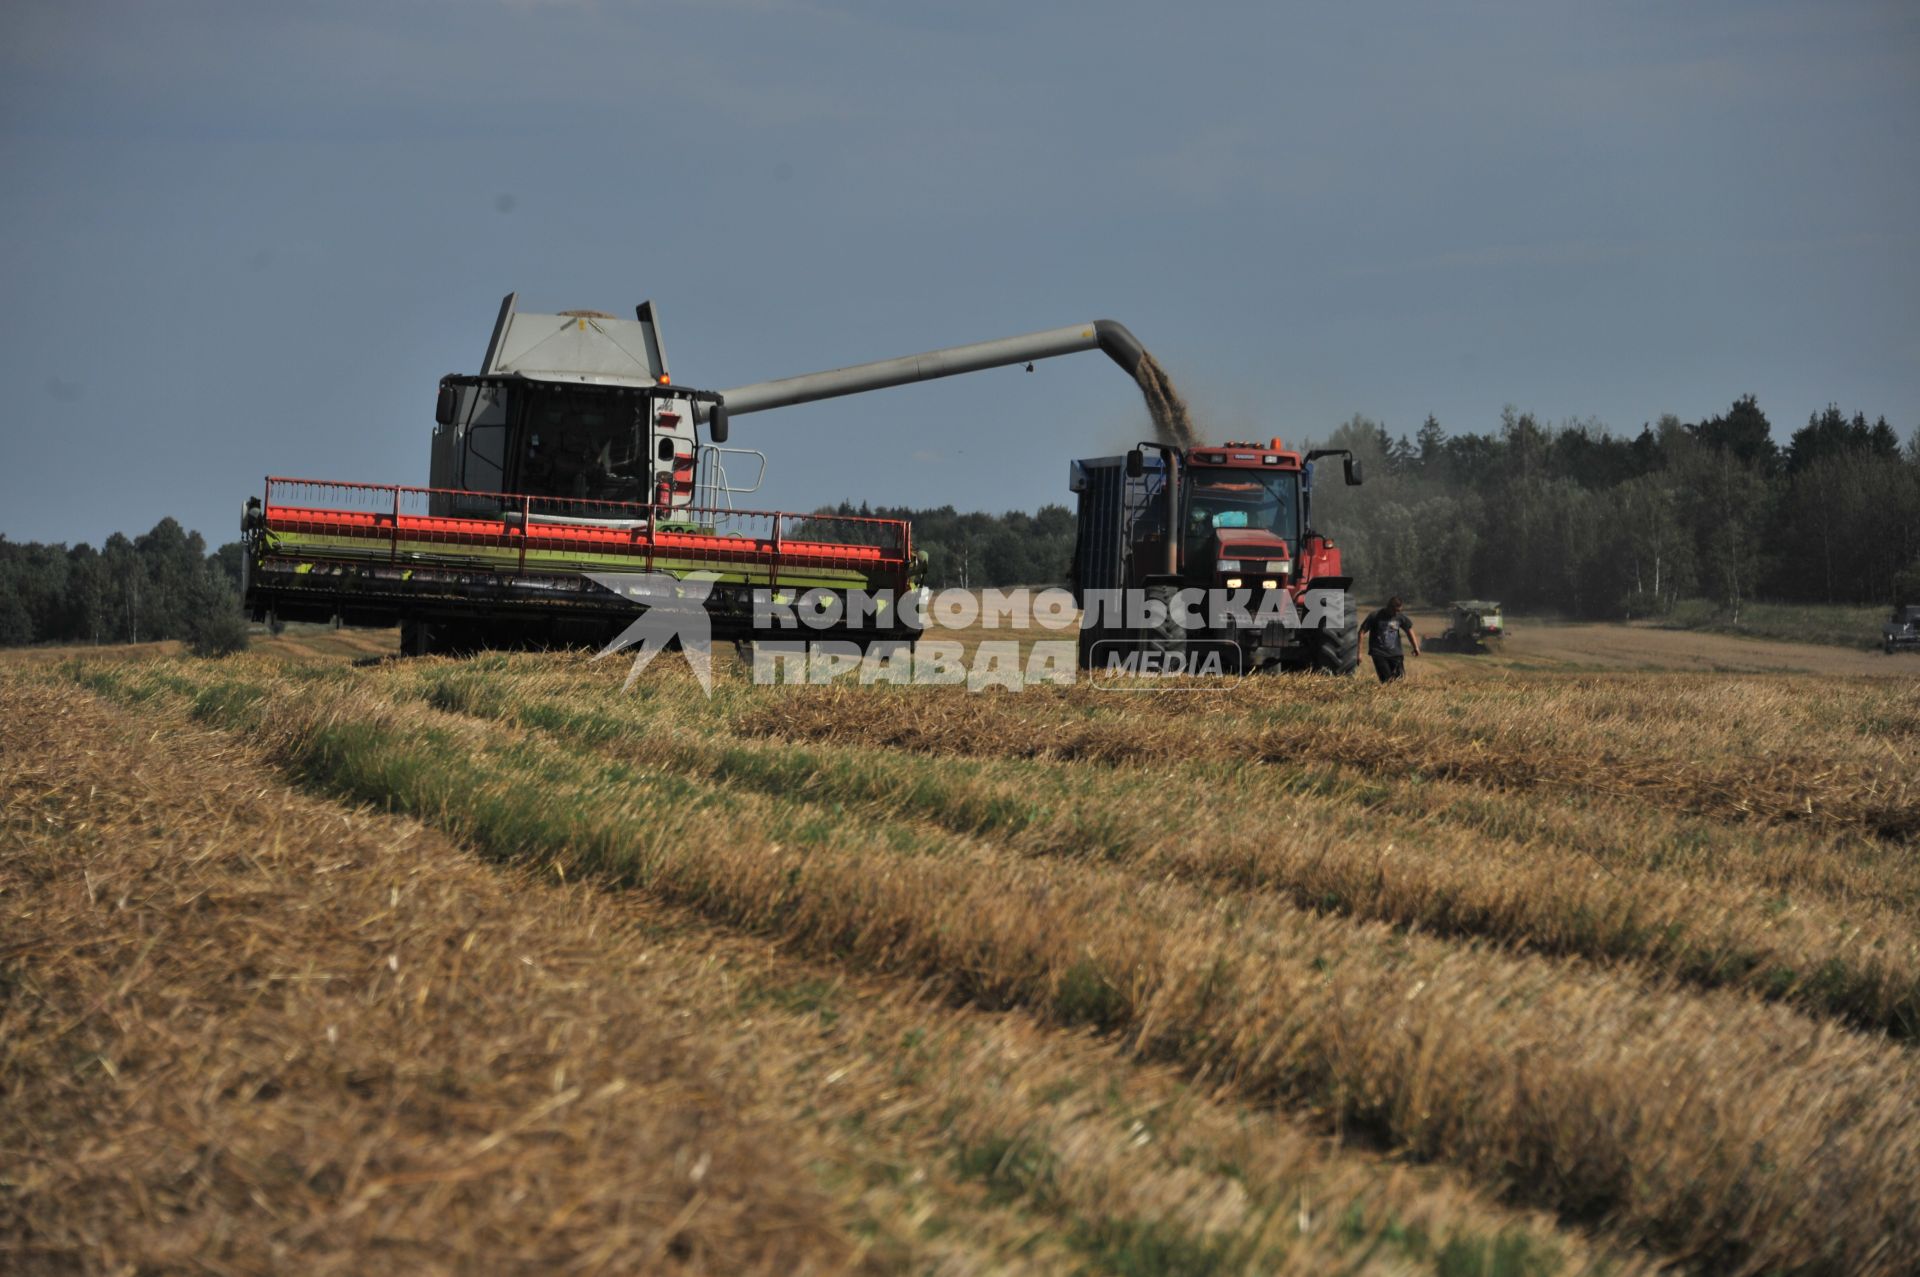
573,453
1228,519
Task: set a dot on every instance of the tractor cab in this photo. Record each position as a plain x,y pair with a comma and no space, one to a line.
1241,515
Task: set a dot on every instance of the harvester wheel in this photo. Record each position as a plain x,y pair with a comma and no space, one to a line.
1336,650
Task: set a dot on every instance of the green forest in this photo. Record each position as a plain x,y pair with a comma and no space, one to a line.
1577,520
976,550
160,585
1568,518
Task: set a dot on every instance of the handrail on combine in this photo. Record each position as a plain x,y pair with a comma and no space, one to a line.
399,512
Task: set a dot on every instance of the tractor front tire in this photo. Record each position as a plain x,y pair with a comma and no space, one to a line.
1336,649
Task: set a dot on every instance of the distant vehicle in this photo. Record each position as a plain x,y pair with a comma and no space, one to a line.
1902,631
1473,625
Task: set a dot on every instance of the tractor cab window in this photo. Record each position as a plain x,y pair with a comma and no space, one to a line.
1242,499
585,443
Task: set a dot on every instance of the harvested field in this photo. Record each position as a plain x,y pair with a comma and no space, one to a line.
452,961
228,1000
1555,646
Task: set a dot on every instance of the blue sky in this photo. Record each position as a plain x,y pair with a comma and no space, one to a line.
241,241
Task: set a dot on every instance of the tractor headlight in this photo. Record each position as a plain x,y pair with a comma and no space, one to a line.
1230,565
1269,584
1280,567
1234,583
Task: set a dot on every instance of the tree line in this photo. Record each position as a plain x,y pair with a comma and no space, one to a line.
1572,518
163,584
978,550
1577,519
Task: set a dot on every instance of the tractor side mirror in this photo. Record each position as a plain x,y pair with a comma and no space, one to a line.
1136,464
1354,475
446,405
717,424
664,448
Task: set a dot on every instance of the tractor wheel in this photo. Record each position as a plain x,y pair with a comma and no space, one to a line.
1166,641
1336,650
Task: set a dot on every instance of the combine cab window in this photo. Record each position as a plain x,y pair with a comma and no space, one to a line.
585,443
1242,499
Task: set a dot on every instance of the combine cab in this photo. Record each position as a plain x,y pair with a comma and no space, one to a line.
1473,625
572,455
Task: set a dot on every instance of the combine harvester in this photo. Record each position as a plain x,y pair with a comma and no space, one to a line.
1474,626
572,453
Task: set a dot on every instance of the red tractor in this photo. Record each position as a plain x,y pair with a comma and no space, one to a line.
1204,560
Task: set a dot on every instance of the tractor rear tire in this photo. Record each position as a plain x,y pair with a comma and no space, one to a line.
1167,641
1335,650
1099,648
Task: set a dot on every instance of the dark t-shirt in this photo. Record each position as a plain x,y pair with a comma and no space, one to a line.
1383,632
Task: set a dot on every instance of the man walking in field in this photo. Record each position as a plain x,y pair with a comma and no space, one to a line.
1382,629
